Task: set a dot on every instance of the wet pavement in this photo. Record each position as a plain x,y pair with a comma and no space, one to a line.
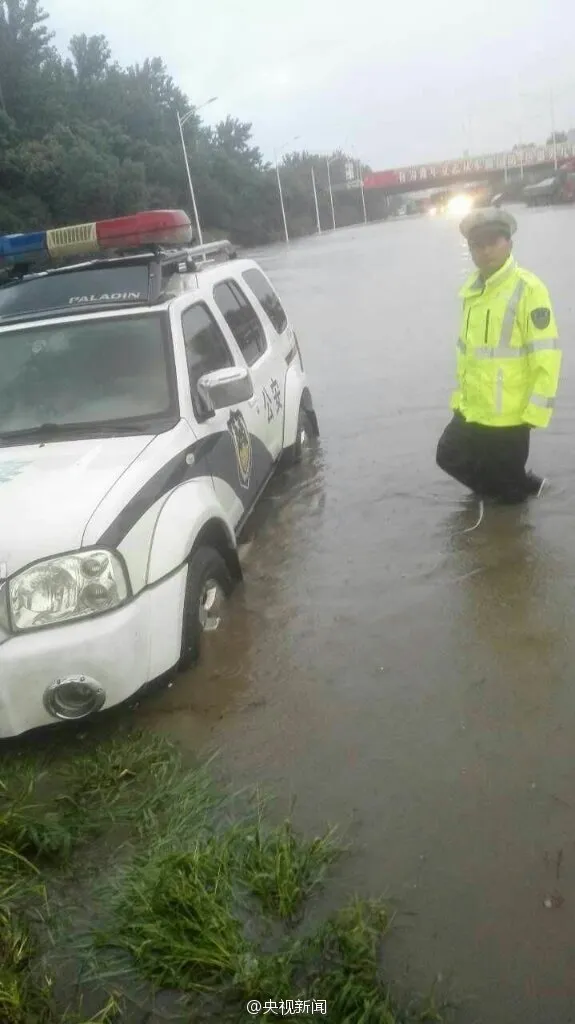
393,674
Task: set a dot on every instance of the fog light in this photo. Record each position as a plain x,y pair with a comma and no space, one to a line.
74,697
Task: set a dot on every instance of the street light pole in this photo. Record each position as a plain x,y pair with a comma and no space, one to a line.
181,122
277,153
190,182
521,153
360,176
282,201
327,160
553,132
315,201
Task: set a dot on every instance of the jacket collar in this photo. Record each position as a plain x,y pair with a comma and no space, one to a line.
475,285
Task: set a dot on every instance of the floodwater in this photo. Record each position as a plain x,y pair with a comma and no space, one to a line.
391,673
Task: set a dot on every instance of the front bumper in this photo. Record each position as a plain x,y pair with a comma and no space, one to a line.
122,650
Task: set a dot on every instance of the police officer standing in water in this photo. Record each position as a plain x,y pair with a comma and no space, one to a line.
508,365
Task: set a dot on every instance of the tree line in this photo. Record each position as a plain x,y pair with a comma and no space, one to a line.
83,138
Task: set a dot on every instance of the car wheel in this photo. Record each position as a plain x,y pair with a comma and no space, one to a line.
305,439
208,586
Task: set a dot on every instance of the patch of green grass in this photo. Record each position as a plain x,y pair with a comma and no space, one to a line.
282,869
179,921
339,965
26,987
344,960
111,1013
175,918
179,913
21,992
106,771
31,828
204,900
49,807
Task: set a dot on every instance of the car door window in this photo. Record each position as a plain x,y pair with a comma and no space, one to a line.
206,349
242,320
267,298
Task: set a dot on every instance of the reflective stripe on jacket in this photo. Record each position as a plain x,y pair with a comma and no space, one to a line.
508,356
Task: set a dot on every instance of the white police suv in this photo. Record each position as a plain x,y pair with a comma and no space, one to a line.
147,393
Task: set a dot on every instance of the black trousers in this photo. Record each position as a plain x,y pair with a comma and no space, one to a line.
489,460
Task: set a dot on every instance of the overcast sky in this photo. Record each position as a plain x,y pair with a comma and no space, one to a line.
396,81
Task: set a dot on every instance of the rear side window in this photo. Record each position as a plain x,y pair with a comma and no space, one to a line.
267,298
206,349
242,320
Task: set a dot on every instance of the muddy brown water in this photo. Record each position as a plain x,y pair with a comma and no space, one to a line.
411,682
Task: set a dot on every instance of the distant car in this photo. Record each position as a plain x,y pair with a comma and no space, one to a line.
560,188
146,398
543,193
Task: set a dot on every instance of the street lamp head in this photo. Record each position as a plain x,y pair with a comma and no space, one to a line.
206,103
194,110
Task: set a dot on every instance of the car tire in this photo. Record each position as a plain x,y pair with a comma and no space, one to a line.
208,584
305,438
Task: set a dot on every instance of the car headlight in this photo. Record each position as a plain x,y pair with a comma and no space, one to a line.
67,587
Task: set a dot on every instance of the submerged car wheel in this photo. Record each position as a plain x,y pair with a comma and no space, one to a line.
305,437
305,440
208,586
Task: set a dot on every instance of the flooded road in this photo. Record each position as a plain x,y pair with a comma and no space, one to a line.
411,682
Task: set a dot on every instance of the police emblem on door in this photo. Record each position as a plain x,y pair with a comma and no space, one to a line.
243,446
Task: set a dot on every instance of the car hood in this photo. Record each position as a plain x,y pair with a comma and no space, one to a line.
48,492
542,186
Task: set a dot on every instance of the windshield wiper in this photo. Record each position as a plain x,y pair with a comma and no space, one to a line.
48,430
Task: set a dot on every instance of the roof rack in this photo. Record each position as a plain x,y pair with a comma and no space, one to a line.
223,249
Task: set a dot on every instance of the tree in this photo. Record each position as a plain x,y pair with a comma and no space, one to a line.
83,138
91,58
25,51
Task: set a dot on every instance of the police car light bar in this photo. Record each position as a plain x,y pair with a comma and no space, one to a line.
153,227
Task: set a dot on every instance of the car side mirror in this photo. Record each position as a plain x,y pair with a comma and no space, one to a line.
229,386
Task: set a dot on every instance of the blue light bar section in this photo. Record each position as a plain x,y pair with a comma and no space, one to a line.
21,248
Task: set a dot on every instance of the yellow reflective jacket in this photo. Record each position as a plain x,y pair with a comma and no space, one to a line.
508,356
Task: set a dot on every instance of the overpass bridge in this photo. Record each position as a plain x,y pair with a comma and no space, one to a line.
527,161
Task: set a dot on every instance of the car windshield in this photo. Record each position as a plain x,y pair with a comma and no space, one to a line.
87,373
88,286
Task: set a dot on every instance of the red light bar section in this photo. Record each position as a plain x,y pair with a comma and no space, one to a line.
155,227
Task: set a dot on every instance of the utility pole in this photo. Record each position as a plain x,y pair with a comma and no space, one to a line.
328,162
315,201
360,175
554,133
181,122
277,153
282,200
